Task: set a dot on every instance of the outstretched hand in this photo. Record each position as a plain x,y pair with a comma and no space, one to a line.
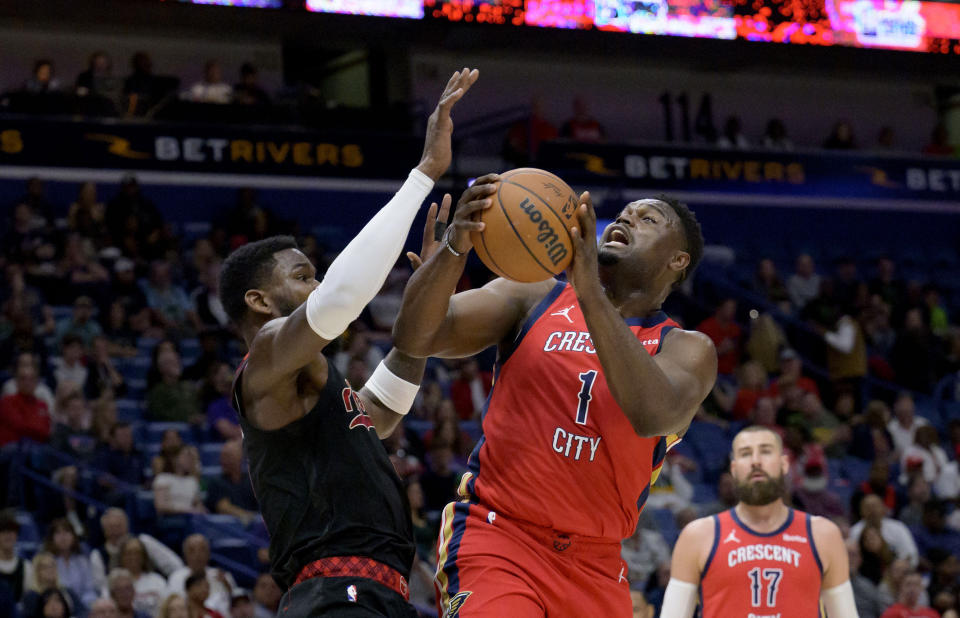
432,241
437,152
583,270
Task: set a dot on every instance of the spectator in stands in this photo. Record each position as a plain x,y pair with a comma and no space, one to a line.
121,338
886,284
764,413
871,439
641,607
846,352
870,599
90,81
582,127
222,419
103,379
170,304
170,445
912,355
196,553
212,89
46,578
14,570
86,216
116,532
765,341
524,137
241,606
903,427
266,596
135,224
804,284
52,604
939,145
726,496
27,241
944,580
934,532
813,496
178,492
880,335
918,494
929,459
120,461
42,80
22,414
908,603
175,606
775,137
644,552
725,334
41,208
81,272
732,136
142,88
672,490
231,492
791,376
73,566
103,608
751,386
204,369
876,552
149,587
469,391
68,368
198,591
874,514
446,431
767,282
123,593
937,315
72,435
128,293
81,323
169,397
841,137
41,391
877,484
248,90
441,477
358,348
205,299
424,534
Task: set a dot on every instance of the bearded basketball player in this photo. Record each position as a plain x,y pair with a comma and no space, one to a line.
592,383
341,539
761,558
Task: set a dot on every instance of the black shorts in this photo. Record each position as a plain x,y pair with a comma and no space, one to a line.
344,597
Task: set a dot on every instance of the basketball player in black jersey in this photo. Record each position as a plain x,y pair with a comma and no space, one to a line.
341,539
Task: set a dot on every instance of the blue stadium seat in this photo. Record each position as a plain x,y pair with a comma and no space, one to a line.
210,453
855,470
667,524
29,532
153,432
704,492
418,426
712,447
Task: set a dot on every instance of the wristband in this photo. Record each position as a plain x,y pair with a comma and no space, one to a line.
392,391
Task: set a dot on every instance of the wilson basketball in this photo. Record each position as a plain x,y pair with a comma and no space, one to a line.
527,233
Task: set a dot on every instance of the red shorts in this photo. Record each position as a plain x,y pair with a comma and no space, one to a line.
491,567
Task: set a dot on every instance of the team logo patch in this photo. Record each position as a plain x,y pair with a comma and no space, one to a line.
565,312
456,603
562,542
353,403
352,593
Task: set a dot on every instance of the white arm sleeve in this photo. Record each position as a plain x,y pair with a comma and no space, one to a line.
838,601
165,559
845,336
680,599
359,271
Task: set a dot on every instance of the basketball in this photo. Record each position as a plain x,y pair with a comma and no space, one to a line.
527,233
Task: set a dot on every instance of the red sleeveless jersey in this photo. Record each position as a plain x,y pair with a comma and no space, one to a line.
557,450
762,575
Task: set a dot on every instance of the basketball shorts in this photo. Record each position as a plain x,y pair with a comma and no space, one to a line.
492,567
343,597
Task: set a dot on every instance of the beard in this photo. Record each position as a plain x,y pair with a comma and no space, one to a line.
286,306
760,493
606,257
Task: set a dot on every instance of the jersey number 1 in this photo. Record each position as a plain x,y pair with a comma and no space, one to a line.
756,585
583,408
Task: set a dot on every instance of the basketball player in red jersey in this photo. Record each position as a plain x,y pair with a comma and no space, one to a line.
592,383
760,559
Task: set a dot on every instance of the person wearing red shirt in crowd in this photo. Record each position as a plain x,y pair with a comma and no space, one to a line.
198,589
22,415
582,127
726,335
524,138
791,375
470,390
908,605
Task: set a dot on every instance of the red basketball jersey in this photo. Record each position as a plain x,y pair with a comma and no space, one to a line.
762,575
557,450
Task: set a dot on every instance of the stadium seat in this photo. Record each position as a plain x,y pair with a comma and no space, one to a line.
210,454
153,432
712,447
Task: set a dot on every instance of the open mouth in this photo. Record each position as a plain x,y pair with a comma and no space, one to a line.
618,236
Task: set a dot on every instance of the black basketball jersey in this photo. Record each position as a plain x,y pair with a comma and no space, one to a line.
326,486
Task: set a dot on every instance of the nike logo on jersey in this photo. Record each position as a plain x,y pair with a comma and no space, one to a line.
565,312
794,538
731,538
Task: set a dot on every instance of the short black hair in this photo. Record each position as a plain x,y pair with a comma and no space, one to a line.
8,521
248,268
691,232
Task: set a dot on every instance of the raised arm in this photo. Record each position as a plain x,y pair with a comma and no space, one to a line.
659,394
433,321
286,345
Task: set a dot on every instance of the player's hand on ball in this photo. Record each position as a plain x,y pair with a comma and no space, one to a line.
583,269
437,153
432,232
474,200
